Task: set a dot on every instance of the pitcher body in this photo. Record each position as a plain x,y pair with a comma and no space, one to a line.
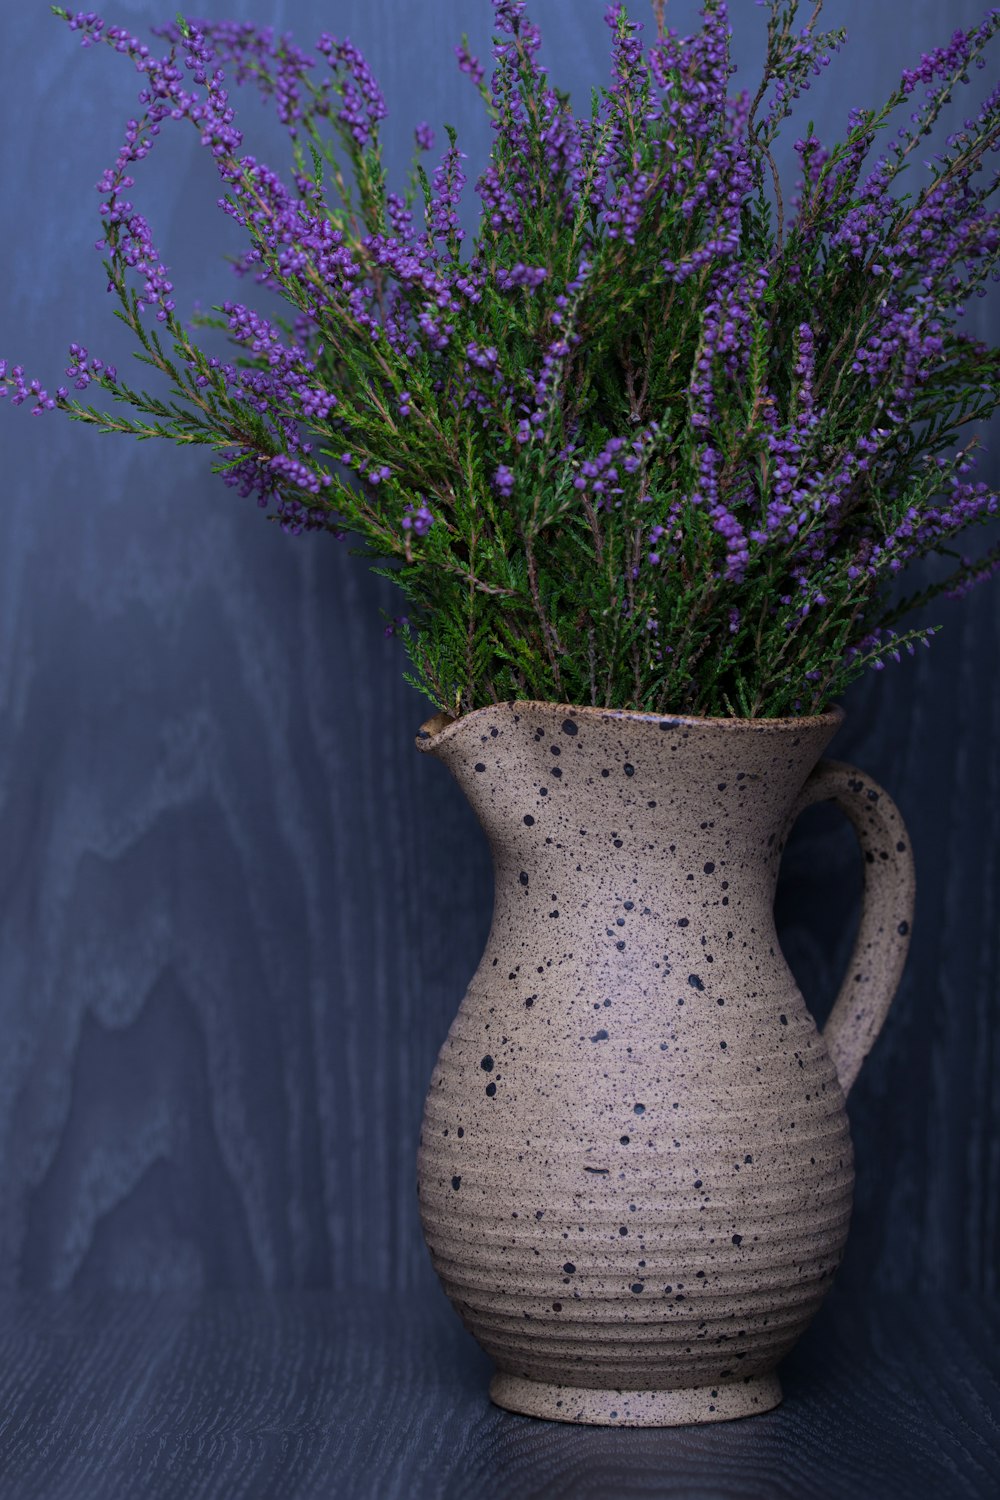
635,1170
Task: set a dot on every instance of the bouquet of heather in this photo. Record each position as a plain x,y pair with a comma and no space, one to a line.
662,435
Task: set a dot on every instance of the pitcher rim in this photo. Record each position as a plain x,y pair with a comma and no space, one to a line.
442,727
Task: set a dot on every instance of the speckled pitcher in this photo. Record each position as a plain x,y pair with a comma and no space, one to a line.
635,1169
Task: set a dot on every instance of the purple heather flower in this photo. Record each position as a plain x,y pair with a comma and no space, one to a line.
503,481
483,359
974,575
449,179
362,105
418,519
945,61
520,275
468,63
805,371
622,216
509,17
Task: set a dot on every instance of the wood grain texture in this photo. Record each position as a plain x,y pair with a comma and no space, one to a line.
237,910
314,1396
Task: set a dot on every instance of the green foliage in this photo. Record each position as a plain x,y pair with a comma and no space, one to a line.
581,578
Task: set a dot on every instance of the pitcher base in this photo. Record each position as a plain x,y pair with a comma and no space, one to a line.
610,1408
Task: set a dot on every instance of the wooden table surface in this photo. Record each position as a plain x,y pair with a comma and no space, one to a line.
317,1396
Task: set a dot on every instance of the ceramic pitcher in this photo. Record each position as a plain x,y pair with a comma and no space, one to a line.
635,1171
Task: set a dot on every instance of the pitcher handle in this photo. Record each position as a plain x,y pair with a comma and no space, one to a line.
886,914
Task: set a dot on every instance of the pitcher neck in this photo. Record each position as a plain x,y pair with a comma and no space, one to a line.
545,777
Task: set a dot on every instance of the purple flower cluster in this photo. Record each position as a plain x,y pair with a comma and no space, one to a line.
625,108
282,388
706,176
507,183
967,503
973,574
418,517
277,67
520,275
732,304
469,64
724,403
26,390
449,179
599,476
949,61
362,104
503,481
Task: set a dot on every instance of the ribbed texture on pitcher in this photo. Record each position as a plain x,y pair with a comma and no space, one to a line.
680,1246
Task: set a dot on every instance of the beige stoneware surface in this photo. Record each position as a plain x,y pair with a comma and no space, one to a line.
635,1170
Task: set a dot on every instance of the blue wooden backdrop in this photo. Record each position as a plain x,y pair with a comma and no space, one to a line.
237,910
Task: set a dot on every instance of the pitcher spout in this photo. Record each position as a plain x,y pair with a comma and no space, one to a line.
429,733
459,744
